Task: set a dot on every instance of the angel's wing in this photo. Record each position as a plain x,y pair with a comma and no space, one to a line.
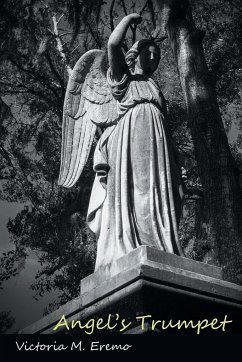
88,104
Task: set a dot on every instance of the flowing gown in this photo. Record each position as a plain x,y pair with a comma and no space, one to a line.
135,198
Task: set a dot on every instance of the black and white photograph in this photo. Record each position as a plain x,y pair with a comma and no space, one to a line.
121,179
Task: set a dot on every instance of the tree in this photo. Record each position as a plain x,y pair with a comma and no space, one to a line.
33,79
6,321
217,169
11,263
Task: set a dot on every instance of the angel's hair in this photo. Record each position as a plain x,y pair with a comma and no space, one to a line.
133,52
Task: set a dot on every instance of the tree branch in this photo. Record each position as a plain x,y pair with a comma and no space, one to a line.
40,95
150,5
37,76
55,72
133,29
57,22
111,15
60,45
99,43
165,9
124,7
233,4
8,109
144,7
66,33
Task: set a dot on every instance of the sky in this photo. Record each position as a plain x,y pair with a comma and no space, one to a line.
16,295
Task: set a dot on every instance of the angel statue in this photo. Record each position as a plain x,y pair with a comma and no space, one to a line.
136,197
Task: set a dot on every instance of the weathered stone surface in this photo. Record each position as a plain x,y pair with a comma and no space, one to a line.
145,254
146,281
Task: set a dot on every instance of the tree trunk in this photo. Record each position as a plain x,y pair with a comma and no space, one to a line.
217,169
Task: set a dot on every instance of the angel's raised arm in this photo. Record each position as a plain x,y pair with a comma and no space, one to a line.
115,54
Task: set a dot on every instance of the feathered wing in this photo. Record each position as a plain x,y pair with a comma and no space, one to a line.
88,104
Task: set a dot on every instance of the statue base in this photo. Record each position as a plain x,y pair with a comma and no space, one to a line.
151,291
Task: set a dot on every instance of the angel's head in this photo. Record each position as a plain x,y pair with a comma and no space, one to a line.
143,57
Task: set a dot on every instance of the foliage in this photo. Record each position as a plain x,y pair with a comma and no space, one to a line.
33,82
11,263
6,321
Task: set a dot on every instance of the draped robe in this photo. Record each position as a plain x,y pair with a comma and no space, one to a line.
135,198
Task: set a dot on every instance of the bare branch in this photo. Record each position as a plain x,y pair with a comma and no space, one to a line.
66,33
236,6
44,4
150,5
111,15
96,39
133,6
37,76
41,95
7,84
60,46
124,7
21,105
73,50
55,72
144,7
165,11
133,29
59,19
8,109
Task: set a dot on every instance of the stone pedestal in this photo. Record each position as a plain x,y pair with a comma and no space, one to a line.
150,282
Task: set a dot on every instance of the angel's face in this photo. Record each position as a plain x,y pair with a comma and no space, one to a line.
147,60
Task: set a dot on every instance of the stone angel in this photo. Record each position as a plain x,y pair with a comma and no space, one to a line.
136,196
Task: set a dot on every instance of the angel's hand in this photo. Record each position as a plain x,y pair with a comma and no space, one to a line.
135,18
116,58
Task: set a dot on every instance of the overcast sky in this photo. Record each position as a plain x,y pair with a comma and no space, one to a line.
16,295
